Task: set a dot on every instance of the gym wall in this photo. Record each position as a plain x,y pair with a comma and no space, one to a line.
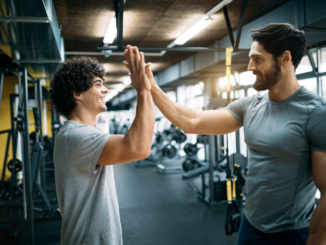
5,123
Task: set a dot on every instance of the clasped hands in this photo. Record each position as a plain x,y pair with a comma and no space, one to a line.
140,73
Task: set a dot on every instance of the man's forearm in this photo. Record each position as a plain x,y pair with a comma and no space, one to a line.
181,116
317,229
141,131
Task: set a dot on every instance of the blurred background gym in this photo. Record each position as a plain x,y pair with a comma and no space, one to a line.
178,194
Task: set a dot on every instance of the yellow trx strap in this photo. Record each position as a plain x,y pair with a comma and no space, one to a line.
228,61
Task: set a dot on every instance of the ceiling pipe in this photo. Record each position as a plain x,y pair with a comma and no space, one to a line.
177,49
119,6
120,47
24,19
85,53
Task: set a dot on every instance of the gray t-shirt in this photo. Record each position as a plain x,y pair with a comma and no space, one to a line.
86,192
279,188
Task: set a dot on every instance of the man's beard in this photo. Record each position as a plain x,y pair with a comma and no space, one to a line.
268,80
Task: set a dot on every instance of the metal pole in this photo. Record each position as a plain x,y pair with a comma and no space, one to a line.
177,49
18,19
237,141
228,24
240,23
13,128
14,134
39,97
28,195
1,85
6,157
53,121
119,16
314,70
212,164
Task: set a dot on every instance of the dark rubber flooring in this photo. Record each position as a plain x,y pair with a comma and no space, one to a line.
164,210
155,209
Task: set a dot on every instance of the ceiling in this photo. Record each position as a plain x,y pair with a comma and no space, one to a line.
146,23
41,34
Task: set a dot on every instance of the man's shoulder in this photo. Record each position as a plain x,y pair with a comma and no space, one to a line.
255,100
311,100
251,98
310,97
75,132
73,127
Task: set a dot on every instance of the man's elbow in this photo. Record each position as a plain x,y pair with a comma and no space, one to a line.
142,154
190,127
147,153
187,130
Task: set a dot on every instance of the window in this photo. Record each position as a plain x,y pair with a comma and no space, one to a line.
322,60
246,78
304,66
323,84
191,95
310,84
222,83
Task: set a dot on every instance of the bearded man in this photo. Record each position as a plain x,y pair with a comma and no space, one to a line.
285,134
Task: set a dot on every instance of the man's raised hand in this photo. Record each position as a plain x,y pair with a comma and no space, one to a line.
135,62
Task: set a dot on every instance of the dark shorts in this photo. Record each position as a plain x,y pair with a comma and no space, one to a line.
249,235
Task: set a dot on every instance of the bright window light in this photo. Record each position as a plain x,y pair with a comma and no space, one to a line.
120,87
108,97
223,82
318,194
192,31
246,78
127,81
114,93
111,94
304,66
111,32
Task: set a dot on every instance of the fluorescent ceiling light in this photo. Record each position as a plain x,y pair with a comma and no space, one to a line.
111,32
199,26
192,31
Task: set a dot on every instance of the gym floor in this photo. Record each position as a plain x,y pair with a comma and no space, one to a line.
155,209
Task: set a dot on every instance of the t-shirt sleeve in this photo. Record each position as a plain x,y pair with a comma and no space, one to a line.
238,107
85,146
316,129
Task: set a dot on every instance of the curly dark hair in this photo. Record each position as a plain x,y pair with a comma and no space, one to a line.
75,75
278,37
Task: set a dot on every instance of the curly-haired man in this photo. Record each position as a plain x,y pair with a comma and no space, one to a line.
83,156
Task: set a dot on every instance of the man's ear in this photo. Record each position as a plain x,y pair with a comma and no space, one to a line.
77,96
286,58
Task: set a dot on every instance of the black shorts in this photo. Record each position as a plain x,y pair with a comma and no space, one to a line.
249,235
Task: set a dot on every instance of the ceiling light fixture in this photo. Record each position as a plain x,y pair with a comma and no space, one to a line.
111,32
192,31
200,25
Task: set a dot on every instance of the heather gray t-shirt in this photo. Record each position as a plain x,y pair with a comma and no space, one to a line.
86,192
280,136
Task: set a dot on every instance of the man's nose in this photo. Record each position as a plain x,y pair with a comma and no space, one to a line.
104,90
251,66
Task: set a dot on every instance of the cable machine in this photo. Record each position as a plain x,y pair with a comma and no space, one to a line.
23,193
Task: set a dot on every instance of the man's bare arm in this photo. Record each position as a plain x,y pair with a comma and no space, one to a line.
136,144
317,230
189,120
